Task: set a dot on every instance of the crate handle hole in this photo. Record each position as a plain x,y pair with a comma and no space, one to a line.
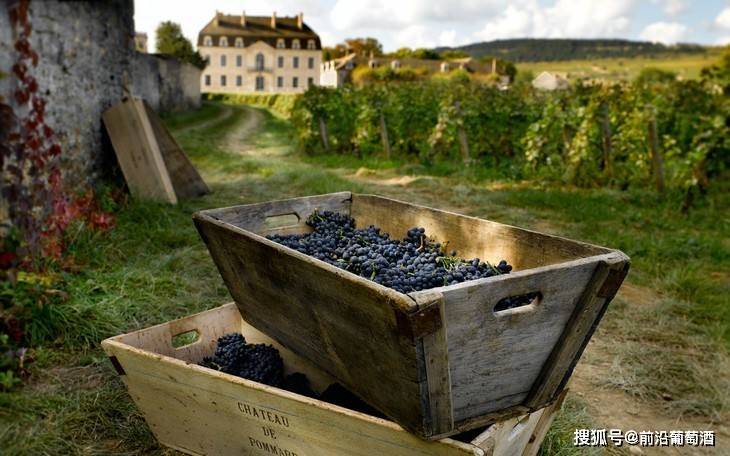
281,221
518,303
184,339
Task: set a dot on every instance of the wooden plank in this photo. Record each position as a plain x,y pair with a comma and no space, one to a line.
201,411
577,331
541,429
436,360
137,151
252,217
184,177
469,236
341,322
495,358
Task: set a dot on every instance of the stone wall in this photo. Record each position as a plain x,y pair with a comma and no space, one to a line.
86,59
84,51
165,82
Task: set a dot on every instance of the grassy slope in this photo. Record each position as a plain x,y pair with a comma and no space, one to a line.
153,268
687,66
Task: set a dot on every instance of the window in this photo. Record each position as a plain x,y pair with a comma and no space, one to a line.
259,83
207,41
239,42
223,80
311,44
310,63
295,82
223,42
239,60
310,82
295,44
279,81
223,60
295,62
280,43
207,79
239,81
260,62
280,62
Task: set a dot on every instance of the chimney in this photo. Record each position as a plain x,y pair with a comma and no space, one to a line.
300,21
217,21
494,66
243,19
273,20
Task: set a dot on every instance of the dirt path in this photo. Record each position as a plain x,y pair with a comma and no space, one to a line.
226,112
609,406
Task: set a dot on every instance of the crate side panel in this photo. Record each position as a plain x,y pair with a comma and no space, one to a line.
205,412
252,217
471,237
331,319
495,358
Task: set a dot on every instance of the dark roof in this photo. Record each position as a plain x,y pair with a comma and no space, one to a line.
258,28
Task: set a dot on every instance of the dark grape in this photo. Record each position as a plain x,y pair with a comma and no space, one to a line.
410,264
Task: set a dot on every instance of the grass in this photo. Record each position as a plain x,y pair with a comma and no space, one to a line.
687,66
153,267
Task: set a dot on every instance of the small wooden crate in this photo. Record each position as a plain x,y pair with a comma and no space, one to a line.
201,411
437,361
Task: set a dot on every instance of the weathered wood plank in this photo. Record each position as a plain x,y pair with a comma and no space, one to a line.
252,217
547,416
577,332
495,358
438,377
184,177
137,151
469,236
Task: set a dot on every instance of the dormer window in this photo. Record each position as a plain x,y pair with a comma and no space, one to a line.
223,42
280,43
207,41
295,44
311,44
239,42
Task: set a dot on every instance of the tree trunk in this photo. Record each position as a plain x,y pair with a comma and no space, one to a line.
657,165
323,133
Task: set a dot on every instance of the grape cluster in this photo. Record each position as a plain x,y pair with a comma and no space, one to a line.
258,362
411,264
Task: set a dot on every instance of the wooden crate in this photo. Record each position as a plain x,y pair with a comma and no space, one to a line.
438,361
203,411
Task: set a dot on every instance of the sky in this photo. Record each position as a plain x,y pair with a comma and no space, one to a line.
431,23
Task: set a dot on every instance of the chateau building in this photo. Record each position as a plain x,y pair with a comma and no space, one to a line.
259,54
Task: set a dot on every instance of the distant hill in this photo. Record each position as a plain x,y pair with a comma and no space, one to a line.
543,49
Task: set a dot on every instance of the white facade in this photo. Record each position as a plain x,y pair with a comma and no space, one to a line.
236,70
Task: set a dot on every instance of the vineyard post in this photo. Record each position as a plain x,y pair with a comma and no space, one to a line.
384,132
656,157
606,136
464,145
323,133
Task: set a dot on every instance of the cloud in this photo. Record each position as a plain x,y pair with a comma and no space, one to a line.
723,40
723,19
671,7
664,32
449,38
415,36
564,19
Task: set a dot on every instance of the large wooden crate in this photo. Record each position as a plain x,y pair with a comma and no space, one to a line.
201,411
438,361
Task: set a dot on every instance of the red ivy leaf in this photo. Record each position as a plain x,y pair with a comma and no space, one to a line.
21,96
55,149
39,106
20,70
48,132
31,84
